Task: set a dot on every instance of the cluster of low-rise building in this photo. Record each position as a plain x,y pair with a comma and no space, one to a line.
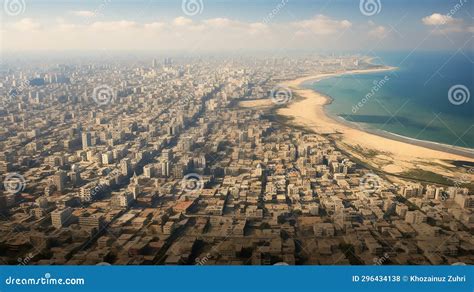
170,170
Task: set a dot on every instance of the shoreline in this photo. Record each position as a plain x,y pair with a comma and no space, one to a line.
311,112
469,153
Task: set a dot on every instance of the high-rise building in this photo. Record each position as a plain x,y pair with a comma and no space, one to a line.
125,166
59,180
148,171
86,140
167,155
107,158
60,217
165,168
167,62
75,177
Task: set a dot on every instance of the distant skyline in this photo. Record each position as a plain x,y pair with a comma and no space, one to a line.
205,25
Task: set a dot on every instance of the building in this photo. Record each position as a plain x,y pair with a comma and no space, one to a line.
59,180
123,200
91,221
169,227
61,217
125,167
415,217
148,171
86,140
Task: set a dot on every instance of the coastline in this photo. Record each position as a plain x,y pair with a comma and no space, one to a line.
398,153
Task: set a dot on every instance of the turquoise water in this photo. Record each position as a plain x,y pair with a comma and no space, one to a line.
411,101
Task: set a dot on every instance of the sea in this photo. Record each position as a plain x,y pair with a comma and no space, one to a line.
428,97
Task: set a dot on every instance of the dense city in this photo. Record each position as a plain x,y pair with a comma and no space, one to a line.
156,162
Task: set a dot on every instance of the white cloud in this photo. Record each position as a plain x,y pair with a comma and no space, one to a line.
182,21
439,19
258,27
219,22
234,26
113,25
183,33
321,25
155,25
26,24
445,23
84,13
178,33
379,32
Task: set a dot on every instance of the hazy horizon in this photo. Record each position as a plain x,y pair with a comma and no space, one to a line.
244,26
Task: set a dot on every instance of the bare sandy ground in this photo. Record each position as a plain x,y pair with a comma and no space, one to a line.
257,103
391,156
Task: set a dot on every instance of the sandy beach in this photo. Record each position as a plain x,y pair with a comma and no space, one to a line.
393,155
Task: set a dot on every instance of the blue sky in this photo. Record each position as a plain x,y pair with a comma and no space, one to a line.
249,10
305,24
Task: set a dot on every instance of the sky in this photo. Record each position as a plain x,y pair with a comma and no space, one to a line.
225,25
